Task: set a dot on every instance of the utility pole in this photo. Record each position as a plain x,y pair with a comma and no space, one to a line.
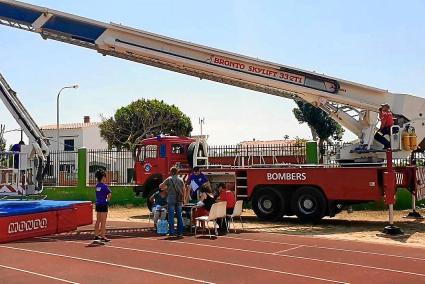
57,112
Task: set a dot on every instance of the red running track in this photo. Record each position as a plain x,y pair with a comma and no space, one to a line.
137,255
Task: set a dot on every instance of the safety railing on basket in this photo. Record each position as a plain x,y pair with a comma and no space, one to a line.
246,155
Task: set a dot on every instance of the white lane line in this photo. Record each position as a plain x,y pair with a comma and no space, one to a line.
38,274
324,247
327,248
106,263
207,260
310,246
286,250
288,256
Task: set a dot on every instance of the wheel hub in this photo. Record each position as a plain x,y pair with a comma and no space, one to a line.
308,204
267,204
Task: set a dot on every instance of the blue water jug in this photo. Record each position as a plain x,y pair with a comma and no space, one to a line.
162,227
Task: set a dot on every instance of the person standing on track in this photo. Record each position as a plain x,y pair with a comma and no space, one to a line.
175,186
103,196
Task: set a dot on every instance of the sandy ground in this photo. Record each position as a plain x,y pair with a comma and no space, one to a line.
363,226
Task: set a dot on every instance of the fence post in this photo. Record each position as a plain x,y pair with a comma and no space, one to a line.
82,168
312,156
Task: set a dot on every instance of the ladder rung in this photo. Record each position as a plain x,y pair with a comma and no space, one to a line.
244,178
241,186
243,196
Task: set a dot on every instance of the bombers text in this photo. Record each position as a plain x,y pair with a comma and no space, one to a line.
286,176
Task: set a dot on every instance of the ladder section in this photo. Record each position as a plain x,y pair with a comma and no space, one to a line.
184,57
241,188
20,113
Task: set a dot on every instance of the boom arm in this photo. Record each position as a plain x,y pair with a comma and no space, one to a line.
36,155
353,105
22,117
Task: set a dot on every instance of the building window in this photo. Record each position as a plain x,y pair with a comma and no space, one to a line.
69,145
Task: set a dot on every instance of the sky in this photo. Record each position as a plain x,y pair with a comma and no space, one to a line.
377,43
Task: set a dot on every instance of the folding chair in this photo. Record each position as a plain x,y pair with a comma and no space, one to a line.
221,213
237,212
212,217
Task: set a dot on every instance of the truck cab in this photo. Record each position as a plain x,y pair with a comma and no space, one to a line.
155,156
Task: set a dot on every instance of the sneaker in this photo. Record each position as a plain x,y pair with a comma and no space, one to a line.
97,240
105,240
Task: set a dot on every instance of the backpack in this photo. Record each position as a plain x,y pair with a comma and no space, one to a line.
162,227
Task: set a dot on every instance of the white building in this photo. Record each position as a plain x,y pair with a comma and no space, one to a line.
73,136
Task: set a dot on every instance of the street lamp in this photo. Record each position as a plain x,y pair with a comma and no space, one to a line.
57,110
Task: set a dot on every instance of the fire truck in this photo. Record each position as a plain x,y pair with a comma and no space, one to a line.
310,192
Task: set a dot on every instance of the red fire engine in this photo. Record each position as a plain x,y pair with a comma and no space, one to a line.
308,191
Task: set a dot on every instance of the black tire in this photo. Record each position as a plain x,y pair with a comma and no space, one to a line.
149,203
268,204
152,186
309,204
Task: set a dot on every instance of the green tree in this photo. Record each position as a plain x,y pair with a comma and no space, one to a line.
141,118
322,126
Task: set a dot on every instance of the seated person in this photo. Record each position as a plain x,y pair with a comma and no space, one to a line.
227,195
159,200
206,201
196,180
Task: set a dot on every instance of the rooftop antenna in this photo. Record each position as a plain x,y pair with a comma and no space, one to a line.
201,123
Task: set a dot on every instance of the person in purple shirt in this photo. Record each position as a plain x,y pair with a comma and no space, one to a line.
17,148
195,181
103,195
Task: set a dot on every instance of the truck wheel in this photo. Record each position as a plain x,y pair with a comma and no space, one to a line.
268,204
309,204
149,204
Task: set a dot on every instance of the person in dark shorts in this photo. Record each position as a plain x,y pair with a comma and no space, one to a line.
103,196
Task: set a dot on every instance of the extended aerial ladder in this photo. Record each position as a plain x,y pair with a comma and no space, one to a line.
33,158
352,105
